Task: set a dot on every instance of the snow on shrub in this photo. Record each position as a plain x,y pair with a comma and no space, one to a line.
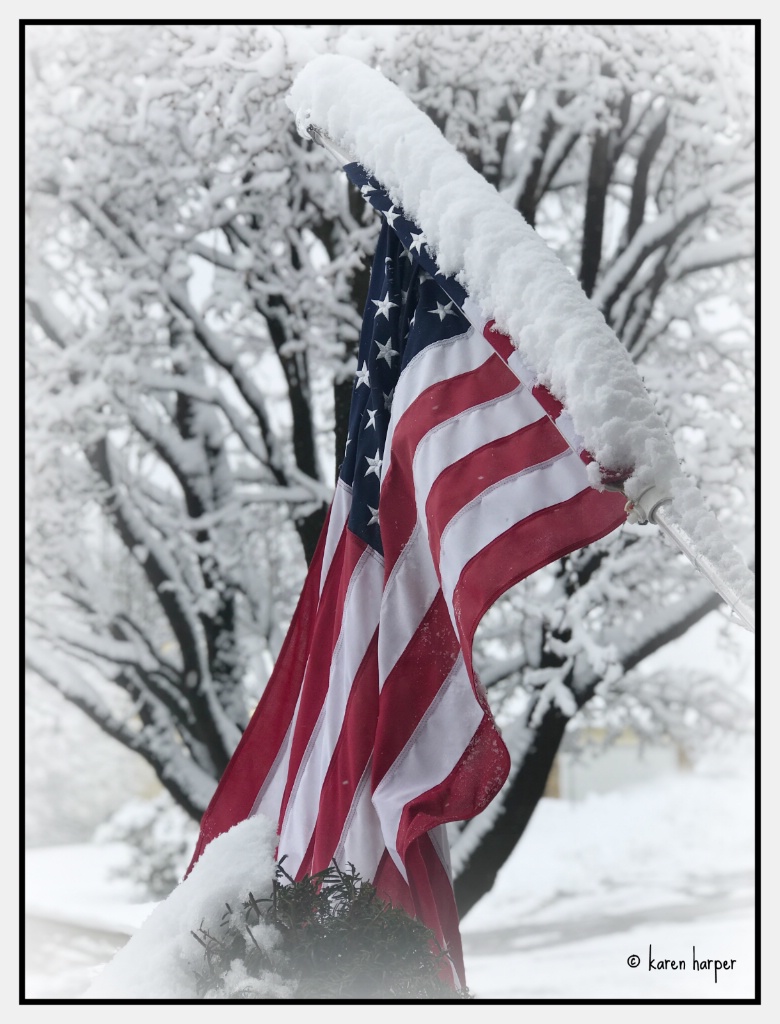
239,927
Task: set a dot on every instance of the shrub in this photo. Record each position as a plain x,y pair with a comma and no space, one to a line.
337,939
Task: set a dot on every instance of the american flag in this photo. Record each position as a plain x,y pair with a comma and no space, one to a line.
461,476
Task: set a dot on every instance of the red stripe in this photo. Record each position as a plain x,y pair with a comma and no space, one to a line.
501,342
397,510
468,789
254,756
462,481
412,684
428,896
349,761
438,403
434,899
541,538
548,401
322,642
391,885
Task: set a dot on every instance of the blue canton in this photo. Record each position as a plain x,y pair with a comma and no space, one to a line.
410,305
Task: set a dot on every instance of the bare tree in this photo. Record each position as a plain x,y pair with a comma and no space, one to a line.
195,280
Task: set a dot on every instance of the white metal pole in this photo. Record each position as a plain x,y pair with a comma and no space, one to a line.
655,506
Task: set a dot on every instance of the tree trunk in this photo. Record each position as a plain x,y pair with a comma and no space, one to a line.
526,787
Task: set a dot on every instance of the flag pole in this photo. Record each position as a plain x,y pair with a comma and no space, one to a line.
656,507
743,612
653,506
318,135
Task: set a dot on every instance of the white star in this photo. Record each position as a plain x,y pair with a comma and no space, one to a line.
383,307
443,310
408,255
386,351
388,398
374,515
371,418
366,190
349,442
362,376
391,215
418,241
373,464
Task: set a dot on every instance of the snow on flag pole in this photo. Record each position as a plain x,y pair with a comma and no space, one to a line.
517,287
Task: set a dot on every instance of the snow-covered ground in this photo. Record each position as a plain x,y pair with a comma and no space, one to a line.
667,864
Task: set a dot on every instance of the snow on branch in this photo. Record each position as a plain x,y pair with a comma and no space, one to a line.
665,228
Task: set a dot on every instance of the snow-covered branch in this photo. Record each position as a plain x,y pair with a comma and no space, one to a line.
663,229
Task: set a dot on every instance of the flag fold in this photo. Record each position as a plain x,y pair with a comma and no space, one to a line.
462,475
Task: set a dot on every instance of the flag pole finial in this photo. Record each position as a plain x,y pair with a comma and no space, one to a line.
323,139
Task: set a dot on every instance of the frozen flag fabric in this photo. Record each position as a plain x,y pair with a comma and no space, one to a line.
461,477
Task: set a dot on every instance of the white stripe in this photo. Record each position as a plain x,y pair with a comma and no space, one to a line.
506,503
434,364
525,373
523,370
414,583
409,593
431,753
357,628
471,429
361,840
339,514
441,845
474,314
517,363
565,424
